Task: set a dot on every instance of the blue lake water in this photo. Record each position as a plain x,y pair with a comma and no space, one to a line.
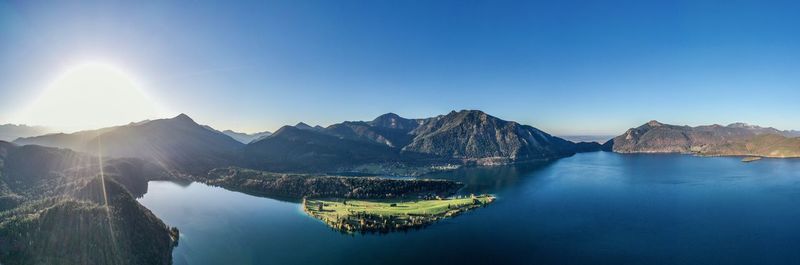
592,208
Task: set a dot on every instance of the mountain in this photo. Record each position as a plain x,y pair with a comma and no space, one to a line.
9,132
58,207
467,136
656,137
178,144
245,137
733,139
475,135
366,131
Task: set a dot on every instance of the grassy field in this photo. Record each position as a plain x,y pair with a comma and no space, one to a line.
385,216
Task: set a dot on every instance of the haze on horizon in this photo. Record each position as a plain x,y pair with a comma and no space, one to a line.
569,68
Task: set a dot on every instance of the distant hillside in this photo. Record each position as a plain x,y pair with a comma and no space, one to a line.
468,136
178,143
292,149
765,145
733,139
9,132
586,147
57,208
587,138
246,138
388,129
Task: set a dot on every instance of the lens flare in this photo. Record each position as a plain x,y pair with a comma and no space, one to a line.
89,96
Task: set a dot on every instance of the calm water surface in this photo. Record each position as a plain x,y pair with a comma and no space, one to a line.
594,208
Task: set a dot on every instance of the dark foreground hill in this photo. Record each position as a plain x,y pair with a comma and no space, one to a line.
736,139
57,208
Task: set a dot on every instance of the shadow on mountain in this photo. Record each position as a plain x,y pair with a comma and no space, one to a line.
65,210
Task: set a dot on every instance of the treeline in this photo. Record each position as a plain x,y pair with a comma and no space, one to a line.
373,223
299,185
56,208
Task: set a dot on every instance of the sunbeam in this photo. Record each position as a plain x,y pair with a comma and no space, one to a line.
114,246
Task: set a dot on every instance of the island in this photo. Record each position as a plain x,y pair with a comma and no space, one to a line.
749,159
383,216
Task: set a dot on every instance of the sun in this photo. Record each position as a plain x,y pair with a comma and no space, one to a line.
89,96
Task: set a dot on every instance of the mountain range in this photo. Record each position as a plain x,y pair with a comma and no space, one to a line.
9,132
737,139
391,144
463,137
177,144
459,137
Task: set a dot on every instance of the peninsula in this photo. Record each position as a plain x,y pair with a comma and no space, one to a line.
364,216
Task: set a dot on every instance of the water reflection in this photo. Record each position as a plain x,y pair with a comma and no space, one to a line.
480,180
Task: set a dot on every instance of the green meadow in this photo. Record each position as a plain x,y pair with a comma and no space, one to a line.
384,216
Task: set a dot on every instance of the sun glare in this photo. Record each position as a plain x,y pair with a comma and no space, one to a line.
88,96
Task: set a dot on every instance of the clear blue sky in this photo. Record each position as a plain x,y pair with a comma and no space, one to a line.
568,67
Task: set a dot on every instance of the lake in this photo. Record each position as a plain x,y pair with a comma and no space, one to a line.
591,208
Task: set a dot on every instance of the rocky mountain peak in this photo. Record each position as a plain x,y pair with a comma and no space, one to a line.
474,113
654,123
393,121
183,117
741,125
303,126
